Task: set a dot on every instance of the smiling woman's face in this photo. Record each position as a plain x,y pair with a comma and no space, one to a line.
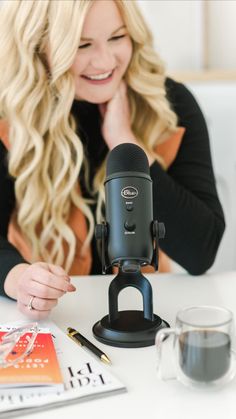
104,53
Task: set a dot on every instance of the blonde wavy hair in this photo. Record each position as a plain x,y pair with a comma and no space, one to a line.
36,97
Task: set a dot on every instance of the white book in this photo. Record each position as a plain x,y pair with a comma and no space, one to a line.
84,378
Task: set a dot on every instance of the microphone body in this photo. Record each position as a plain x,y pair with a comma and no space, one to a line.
129,208
129,217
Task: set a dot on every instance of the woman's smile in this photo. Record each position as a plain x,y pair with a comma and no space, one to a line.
101,78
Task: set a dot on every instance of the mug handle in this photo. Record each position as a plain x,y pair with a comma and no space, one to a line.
165,372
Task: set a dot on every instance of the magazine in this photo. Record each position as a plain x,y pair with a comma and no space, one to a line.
84,378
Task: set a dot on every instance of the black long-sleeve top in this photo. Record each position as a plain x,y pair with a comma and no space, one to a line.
184,196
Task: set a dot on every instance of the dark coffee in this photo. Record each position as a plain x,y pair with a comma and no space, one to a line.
204,355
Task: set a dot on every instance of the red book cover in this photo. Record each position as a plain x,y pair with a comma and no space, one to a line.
38,369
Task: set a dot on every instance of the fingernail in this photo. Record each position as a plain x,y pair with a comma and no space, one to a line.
71,287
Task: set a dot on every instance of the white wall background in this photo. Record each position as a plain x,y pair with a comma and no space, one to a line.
222,33
218,103
193,36
185,30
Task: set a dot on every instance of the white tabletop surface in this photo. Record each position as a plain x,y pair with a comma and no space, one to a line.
147,396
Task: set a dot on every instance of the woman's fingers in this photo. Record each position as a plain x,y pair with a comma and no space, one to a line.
42,284
32,314
37,303
38,289
40,307
43,273
42,304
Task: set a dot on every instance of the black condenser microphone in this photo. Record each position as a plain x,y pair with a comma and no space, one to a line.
129,240
130,229
129,207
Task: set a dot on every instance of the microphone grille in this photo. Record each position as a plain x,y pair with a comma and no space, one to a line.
127,157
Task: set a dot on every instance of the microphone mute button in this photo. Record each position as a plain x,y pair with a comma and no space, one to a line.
129,206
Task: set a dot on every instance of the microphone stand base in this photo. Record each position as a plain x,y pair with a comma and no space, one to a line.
129,330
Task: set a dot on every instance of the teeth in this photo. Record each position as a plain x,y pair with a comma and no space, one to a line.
100,76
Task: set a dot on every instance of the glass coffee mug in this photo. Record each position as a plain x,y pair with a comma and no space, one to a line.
202,347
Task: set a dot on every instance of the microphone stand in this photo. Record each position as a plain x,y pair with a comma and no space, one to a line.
129,328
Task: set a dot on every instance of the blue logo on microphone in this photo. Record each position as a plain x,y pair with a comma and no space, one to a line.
129,192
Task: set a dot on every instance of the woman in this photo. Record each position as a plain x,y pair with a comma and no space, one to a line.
76,79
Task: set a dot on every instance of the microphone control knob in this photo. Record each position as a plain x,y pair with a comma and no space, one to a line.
129,225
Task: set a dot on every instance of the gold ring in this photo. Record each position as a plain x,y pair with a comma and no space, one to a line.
29,306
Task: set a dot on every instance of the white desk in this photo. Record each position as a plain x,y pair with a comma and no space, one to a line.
146,396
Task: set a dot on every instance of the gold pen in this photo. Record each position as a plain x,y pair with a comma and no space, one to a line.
82,341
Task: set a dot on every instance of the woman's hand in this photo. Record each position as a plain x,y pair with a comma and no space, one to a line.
46,283
116,126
